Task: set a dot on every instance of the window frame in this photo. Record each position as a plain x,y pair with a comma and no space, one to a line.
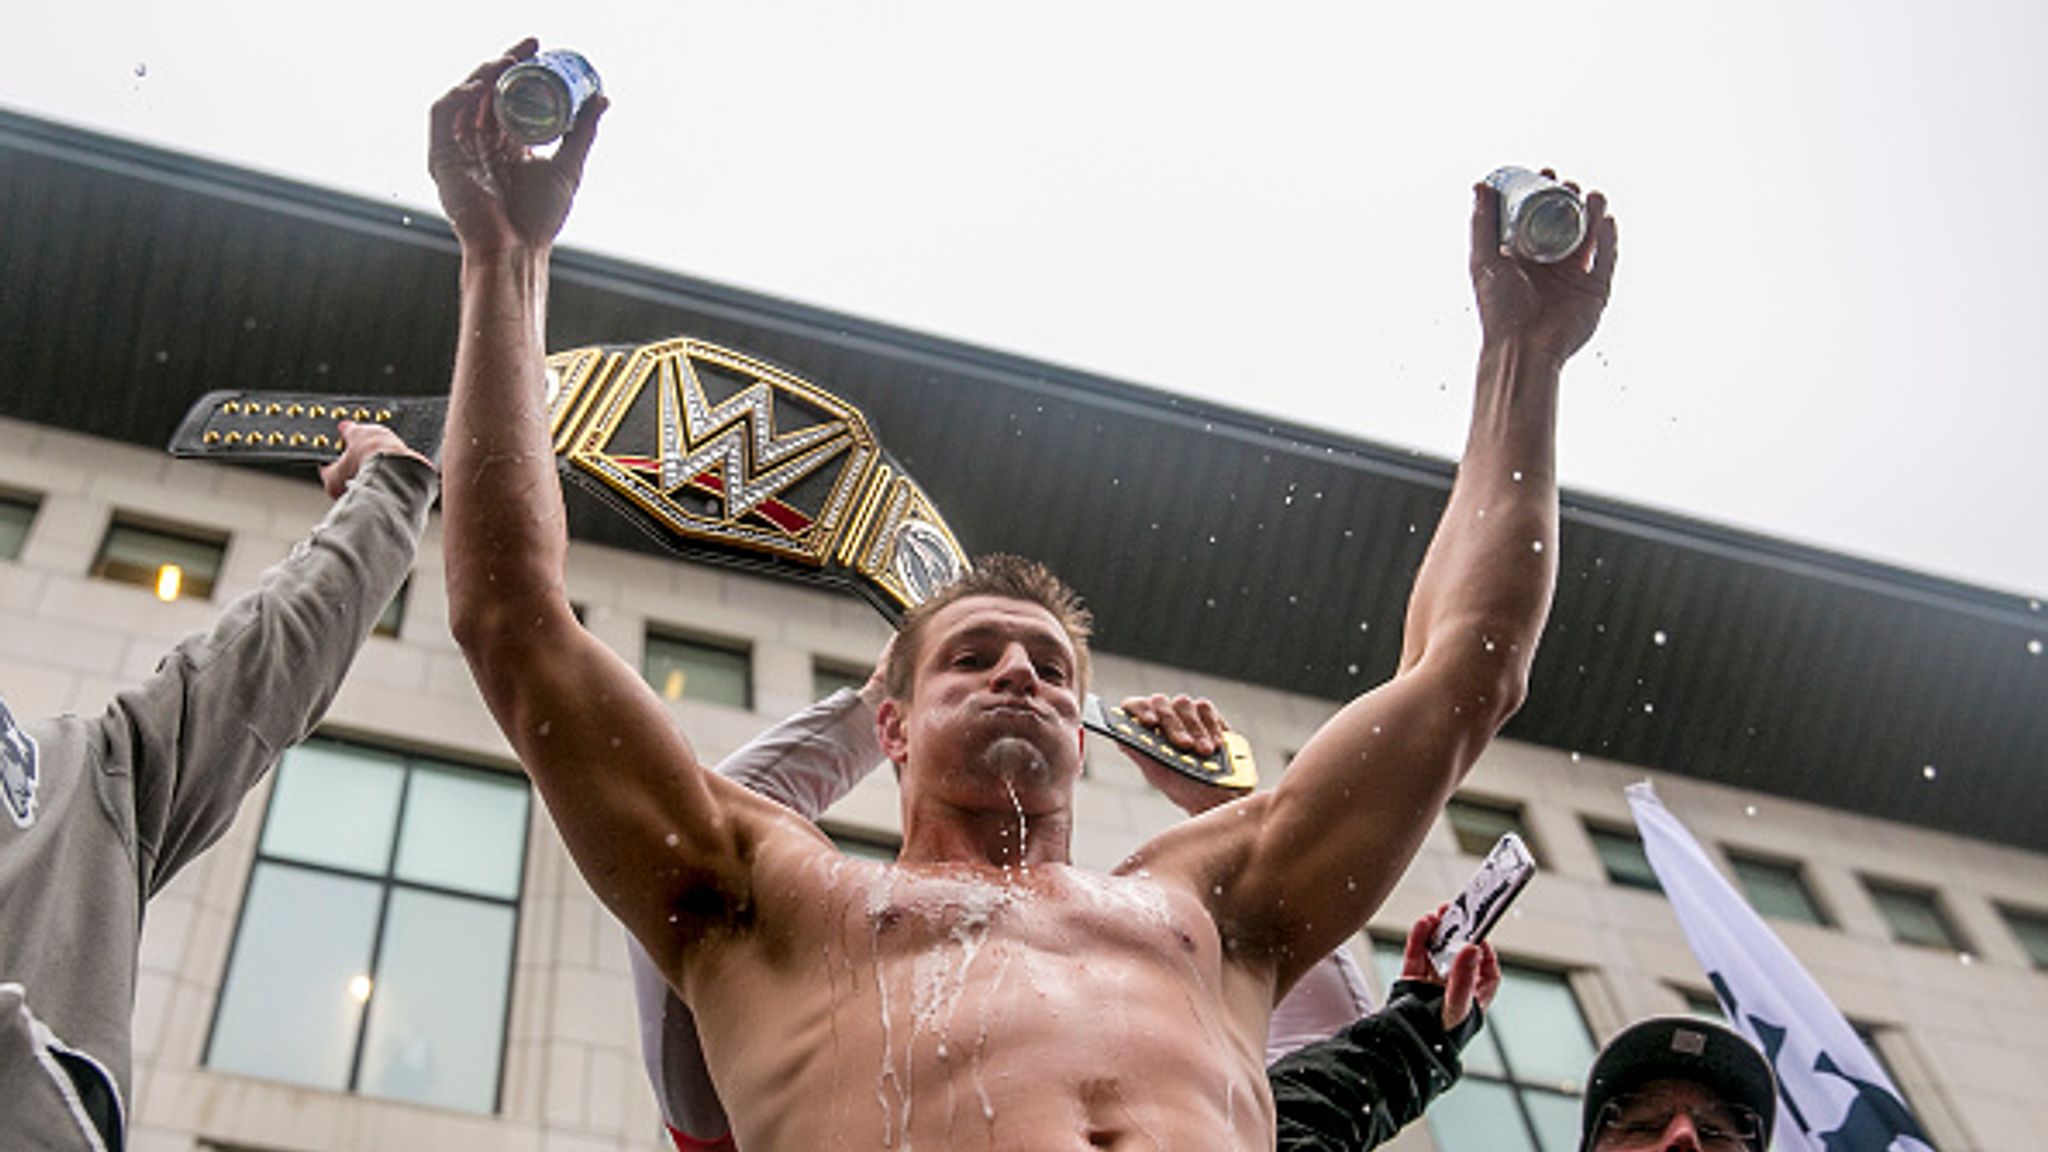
1878,888
1596,831
189,534
1514,818
657,633
1785,868
387,882
395,609
29,503
840,672
850,840
2037,921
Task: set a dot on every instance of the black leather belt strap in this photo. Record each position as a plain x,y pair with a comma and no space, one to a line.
301,426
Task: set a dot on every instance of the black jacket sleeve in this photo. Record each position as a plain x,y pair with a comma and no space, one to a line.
1362,1085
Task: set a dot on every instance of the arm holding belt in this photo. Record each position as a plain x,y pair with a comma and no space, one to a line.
713,455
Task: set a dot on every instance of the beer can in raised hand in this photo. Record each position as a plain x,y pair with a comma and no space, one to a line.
537,100
1540,219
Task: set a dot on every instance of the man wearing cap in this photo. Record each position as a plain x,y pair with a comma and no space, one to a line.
1678,1084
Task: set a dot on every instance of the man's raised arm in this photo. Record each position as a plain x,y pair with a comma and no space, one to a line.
1358,799
621,783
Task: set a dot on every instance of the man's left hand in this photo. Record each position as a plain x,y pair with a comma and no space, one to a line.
1474,975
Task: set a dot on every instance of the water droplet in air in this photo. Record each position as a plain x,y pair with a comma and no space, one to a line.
1649,707
1351,669
1658,638
249,324
1965,959
1364,625
1535,545
1518,475
163,356
1929,772
1577,756
2033,647
1749,809
672,840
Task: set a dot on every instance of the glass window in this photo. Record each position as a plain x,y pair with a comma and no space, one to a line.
1621,854
296,985
435,1013
829,678
1522,1087
16,514
1479,824
374,952
866,845
175,563
682,667
1777,888
2031,930
394,613
1915,916
1703,1004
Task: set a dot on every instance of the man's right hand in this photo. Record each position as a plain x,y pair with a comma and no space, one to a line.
1554,308
497,193
359,442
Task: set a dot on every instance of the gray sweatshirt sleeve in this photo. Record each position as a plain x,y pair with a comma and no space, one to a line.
223,705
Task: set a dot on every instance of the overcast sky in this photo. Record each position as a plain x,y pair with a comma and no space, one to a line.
1834,280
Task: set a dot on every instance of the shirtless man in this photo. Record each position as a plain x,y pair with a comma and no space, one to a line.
1355,1076
980,992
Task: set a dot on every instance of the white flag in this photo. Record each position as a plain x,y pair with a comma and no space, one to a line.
1833,1095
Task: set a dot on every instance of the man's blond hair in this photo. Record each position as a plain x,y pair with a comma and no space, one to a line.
1007,577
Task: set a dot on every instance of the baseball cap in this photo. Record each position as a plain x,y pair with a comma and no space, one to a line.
1690,1048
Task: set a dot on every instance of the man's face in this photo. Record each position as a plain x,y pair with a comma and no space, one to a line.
1675,1116
993,693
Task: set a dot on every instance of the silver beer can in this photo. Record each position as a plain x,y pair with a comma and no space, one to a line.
1540,219
537,100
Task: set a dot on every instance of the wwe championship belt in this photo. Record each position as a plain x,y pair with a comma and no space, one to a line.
715,456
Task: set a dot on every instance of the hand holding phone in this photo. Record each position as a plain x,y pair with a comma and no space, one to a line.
1501,877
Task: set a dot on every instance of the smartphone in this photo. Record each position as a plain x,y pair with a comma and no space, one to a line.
1501,877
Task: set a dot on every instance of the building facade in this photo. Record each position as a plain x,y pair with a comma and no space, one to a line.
392,950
